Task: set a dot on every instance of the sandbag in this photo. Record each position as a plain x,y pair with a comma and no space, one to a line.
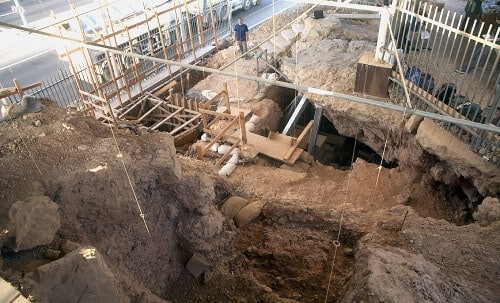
232,206
223,149
227,170
247,214
214,147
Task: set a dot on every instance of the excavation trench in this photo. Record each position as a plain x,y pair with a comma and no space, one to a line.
340,225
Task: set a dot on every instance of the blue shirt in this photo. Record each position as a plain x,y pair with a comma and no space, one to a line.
240,32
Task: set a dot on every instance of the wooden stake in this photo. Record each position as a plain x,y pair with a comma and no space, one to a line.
242,128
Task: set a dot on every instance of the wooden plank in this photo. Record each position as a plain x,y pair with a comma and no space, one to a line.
183,125
7,292
299,140
19,89
220,135
234,110
150,111
280,137
232,138
7,92
205,105
155,126
165,88
92,96
226,98
243,131
226,155
211,112
130,108
268,147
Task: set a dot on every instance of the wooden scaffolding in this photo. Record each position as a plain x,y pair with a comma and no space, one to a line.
228,124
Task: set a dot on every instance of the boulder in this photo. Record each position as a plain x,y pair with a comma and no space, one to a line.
33,222
81,275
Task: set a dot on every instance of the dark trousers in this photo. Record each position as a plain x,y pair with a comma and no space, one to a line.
471,21
243,46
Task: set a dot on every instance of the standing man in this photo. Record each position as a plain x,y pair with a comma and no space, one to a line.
241,35
473,10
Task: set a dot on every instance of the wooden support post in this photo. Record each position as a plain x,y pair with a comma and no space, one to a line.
219,136
199,151
158,124
212,21
19,89
184,125
226,99
243,130
134,65
204,120
151,110
189,30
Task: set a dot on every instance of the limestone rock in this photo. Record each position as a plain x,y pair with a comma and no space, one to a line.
81,274
465,163
442,172
412,123
318,29
488,212
34,222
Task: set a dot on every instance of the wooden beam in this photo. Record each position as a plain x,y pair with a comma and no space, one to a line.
243,131
183,125
165,88
155,126
206,105
213,113
199,151
131,107
226,98
226,155
19,89
92,96
150,111
226,136
299,140
220,135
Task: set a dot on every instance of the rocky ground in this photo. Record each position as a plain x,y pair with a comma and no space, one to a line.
72,192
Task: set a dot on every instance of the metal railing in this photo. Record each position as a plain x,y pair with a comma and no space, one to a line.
450,52
59,87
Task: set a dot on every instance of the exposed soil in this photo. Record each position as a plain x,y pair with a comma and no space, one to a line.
361,233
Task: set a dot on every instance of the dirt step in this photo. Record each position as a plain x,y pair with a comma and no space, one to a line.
298,27
280,42
289,34
269,47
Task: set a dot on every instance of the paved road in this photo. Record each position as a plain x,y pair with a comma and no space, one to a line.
43,64
36,9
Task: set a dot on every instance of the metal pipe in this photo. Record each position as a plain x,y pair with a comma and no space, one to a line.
312,90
